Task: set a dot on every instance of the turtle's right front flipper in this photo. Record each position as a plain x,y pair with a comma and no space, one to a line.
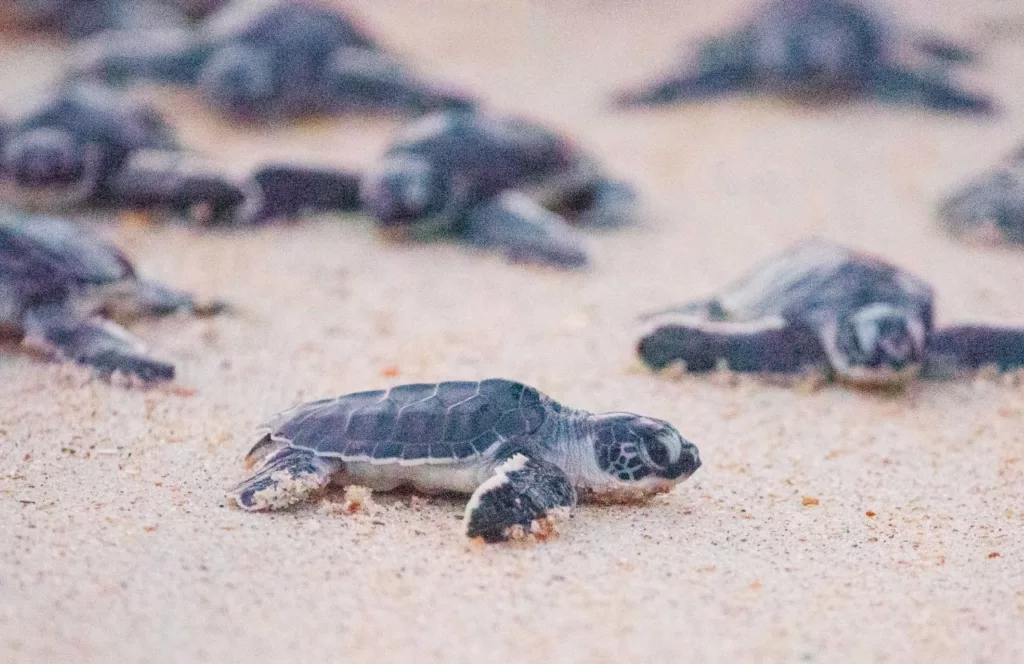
125,57
961,350
287,476
103,345
522,498
525,231
764,346
927,89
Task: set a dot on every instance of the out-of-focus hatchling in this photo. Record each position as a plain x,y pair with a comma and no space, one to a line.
822,308
80,18
523,458
62,289
820,50
271,61
990,209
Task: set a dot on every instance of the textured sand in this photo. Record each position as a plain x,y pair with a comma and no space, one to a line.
827,526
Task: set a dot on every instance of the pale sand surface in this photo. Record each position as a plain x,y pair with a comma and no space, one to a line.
117,545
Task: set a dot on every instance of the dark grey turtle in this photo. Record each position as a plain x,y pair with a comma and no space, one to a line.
90,146
819,50
62,289
819,306
267,61
990,209
521,455
80,18
500,182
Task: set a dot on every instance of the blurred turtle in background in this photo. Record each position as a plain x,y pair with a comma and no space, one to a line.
499,182
264,61
990,209
817,50
819,307
80,18
62,289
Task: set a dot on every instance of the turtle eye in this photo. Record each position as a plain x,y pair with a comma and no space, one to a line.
658,453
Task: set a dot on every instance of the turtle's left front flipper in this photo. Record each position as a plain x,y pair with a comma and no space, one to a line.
961,350
525,231
522,498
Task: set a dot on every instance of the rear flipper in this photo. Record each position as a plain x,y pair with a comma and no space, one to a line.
525,231
119,57
524,497
288,476
365,80
962,350
765,346
989,210
100,344
928,89
159,179
287,191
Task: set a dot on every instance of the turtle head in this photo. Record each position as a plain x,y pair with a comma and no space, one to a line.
240,81
405,190
43,157
878,344
637,454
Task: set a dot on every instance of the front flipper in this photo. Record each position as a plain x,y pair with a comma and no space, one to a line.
525,231
364,80
124,57
288,476
134,299
959,351
522,498
767,346
928,89
287,191
176,181
100,344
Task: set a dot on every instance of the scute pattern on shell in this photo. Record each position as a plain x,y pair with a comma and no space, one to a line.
436,422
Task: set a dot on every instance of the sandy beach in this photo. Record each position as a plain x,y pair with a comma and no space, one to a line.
825,526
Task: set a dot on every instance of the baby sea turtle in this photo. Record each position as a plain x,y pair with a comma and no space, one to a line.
90,146
80,18
821,307
989,210
819,50
267,61
495,181
522,456
62,288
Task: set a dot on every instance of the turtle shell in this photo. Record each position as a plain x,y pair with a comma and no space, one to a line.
420,423
47,257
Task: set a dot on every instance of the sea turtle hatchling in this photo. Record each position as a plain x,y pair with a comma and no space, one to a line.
818,50
87,145
270,61
521,456
62,288
80,18
495,181
821,307
989,209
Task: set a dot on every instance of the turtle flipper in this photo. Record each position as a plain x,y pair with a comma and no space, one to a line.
585,197
769,345
522,498
160,179
928,89
140,298
687,85
525,231
103,345
358,79
945,50
290,190
287,477
124,57
961,350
